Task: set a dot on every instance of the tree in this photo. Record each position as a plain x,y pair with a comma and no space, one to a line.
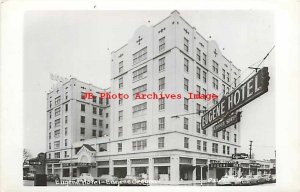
26,155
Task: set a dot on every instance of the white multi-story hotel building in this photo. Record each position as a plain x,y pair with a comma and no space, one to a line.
70,118
158,139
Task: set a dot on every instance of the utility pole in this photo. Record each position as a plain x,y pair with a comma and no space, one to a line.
250,149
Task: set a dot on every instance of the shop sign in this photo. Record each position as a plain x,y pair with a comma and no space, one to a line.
254,87
255,165
220,165
52,160
228,121
240,156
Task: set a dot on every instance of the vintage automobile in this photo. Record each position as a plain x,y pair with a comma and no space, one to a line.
133,181
260,179
109,180
248,180
53,177
273,178
267,177
229,180
28,176
85,177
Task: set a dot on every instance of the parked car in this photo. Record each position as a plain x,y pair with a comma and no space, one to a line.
85,177
109,180
28,176
260,179
273,178
53,177
248,180
133,181
267,177
229,180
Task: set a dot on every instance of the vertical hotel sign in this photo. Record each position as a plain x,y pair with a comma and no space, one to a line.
254,87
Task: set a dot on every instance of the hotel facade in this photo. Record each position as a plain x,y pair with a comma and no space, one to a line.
157,139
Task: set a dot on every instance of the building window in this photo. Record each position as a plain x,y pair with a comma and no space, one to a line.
198,55
161,104
66,154
66,119
50,103
223,74
235,126
234,150
204,91
234,82
214,133
82,131
94,133
121,67
161,84
198,89
57,100
139,108
102,147
121,83
198,127
224,149
82,119
161,123
82,107
57,112
100,134
100,111
199,145
94,110
186,142
186,104
106,115
161,142
66,131
140,89
204,146
120,101
228,150
215,83
56,133
215,67
234,137
100,123
139,74
227,135
56,144
50,115
204,131
186,45
161,46
215,148
162,64
50,135
49,146
100,101
204,59
139,145
119,147
140,55
228,79
57,123
120,115
140,127
49,125
66,108
198,73
94,122
120,131
186,84
186,65
223,134
198,108
94,99
57,155
186,123
204,76
223,89
66,142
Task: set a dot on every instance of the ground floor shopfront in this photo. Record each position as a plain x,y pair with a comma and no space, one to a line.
165,167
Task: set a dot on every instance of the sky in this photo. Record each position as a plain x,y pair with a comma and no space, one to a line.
78,44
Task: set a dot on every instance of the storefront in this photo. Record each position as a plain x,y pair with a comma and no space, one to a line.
120,168
162,169
186,168
140,167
